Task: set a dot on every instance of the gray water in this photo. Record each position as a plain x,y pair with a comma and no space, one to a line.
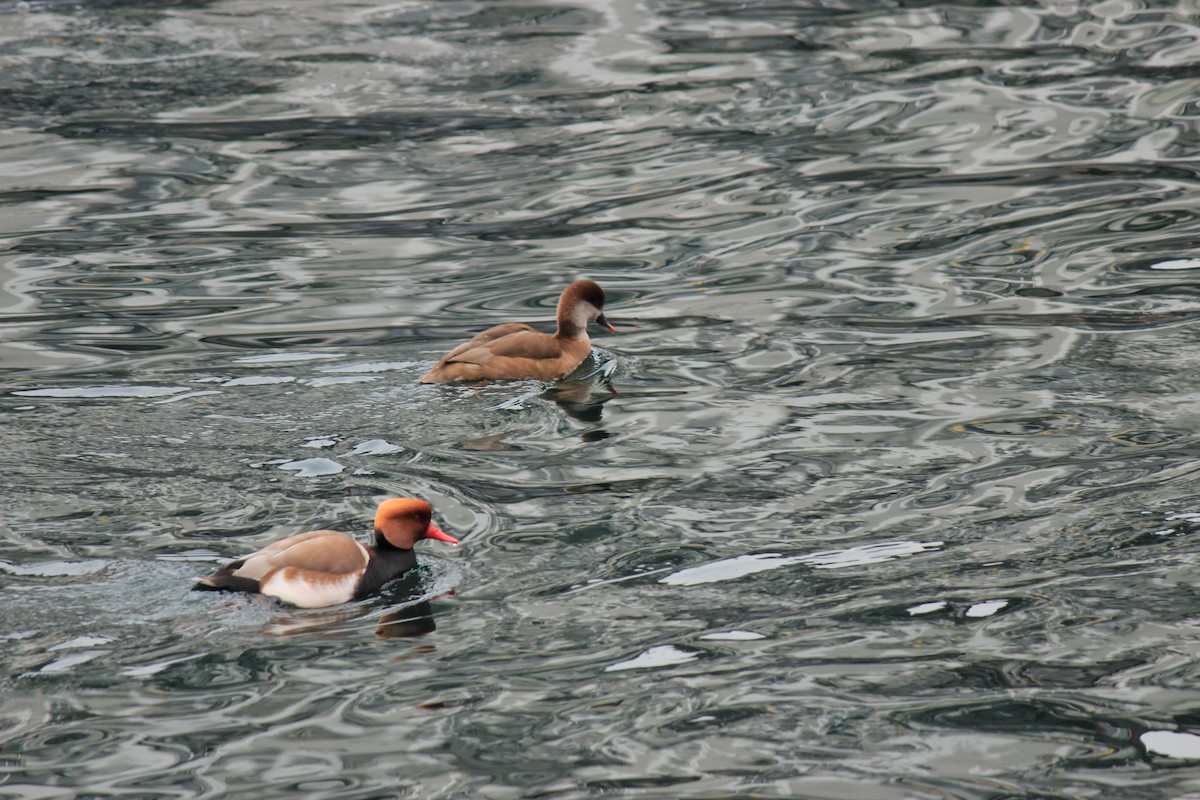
884,489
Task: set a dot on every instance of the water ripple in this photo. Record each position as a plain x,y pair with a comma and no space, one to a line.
884,487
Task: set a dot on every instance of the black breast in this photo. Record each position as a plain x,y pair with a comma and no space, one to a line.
387,564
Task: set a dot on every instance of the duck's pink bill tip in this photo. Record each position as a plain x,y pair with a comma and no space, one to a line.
434,532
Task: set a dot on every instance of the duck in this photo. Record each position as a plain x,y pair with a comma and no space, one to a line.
514,350
327,568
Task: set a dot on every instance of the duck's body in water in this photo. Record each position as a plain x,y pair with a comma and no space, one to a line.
325,568
514,350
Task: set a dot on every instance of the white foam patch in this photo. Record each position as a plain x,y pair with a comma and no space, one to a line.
312,467
1178,263
65,663
374,447
1172,744
662,656
53,569
733,636
146,670
187,396
986,608
740,566
515,403
79,642
869,554
104,391
317,383
730,569
926,608
259,380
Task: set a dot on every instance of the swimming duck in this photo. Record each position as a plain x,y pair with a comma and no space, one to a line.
514,350
325,568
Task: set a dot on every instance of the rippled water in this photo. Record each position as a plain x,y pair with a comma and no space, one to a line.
892,492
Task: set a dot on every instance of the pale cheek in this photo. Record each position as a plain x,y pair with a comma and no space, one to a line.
584,313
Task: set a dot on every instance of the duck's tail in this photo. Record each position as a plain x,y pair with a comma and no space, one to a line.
225,583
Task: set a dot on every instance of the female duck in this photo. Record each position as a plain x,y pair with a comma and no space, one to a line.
324,568
514,350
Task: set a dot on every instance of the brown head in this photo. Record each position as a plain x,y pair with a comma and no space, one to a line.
404,521
581,302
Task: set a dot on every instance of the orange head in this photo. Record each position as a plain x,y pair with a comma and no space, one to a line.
403,521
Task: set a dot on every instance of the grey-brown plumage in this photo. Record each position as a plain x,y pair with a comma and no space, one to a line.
514,350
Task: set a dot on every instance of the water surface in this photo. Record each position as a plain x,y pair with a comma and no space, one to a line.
883,490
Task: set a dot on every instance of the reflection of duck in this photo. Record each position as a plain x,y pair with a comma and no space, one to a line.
515,350
324,568
577,399
414,620
411,620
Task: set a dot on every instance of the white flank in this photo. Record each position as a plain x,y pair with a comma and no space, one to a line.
312,588
293,586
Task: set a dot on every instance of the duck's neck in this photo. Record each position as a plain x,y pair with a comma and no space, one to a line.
572,321
383,546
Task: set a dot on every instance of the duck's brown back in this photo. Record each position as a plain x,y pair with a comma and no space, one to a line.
510,352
